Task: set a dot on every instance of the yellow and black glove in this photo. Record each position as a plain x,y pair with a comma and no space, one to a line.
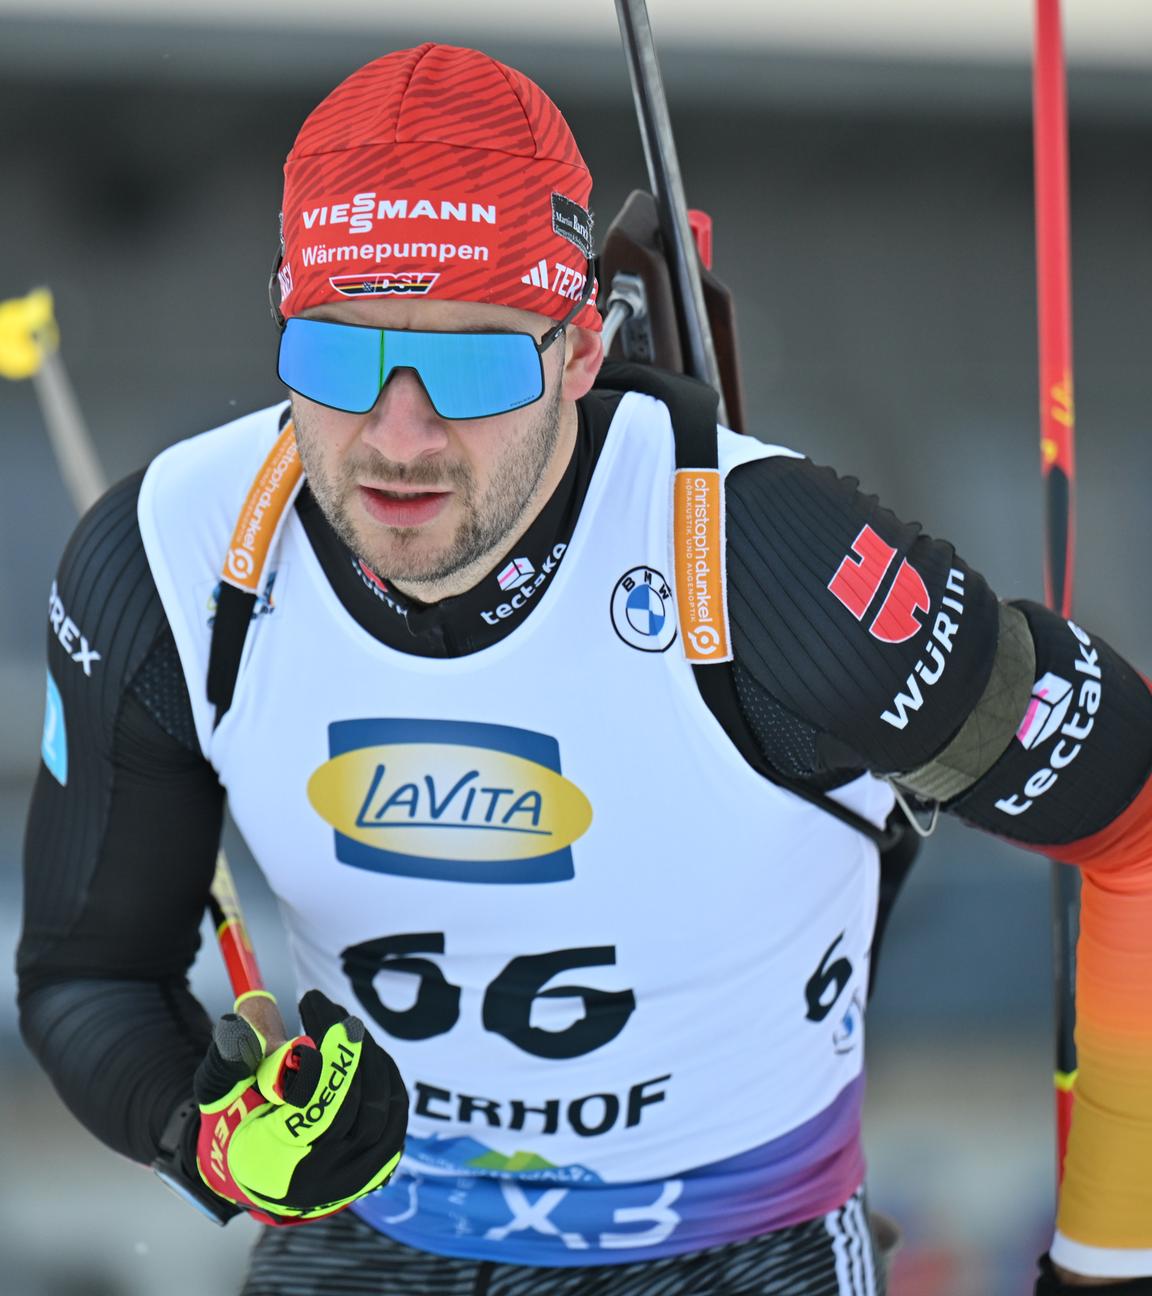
305,1131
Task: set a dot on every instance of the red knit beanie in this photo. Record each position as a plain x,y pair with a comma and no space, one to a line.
437,172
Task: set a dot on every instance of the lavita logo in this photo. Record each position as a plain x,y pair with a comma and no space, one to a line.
452,800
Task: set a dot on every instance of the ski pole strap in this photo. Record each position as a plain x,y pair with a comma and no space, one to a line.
692,406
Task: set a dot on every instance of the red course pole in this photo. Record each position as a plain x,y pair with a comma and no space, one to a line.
1058,471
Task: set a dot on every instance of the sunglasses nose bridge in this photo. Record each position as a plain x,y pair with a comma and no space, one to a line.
404,415
393,371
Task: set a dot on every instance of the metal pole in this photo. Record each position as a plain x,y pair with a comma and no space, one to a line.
668,190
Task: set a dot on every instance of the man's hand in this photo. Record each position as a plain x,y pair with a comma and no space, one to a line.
307,1130
1056,1281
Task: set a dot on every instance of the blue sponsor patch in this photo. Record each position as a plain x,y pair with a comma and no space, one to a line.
54,742
452,800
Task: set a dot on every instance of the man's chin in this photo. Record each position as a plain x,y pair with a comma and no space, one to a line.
410,558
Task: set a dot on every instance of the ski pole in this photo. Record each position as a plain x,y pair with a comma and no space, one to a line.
668,190
1058,473
29,348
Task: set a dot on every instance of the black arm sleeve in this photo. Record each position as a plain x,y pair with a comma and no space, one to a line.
120,847
862,644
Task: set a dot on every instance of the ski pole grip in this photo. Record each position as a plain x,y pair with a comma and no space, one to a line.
259,1007
253,1002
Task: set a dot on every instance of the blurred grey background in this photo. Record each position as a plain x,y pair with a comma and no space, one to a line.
869,172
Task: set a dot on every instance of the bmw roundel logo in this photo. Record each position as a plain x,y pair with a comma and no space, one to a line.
643,612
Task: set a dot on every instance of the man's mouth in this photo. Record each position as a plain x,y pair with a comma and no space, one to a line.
403,506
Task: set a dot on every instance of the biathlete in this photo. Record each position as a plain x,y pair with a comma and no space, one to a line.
582,932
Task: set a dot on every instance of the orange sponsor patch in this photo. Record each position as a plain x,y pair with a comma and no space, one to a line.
698,540
260,517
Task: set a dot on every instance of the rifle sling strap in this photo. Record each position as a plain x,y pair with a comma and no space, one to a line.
234,609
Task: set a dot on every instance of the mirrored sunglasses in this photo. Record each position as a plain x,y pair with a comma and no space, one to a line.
466,375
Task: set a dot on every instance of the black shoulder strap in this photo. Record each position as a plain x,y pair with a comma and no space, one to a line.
692,405
234,609
229,631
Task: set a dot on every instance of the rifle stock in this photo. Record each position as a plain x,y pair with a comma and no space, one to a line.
634,245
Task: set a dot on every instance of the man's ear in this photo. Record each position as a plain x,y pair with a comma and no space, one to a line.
583,356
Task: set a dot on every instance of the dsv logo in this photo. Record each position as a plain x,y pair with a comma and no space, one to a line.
705,640
315,1111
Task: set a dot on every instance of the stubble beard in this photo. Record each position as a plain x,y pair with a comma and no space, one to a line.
403,555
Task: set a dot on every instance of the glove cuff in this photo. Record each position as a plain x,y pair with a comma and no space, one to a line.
175,1165
178,1168
1048,1284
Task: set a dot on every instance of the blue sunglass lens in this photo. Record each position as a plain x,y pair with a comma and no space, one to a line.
332,364
466,375
469,375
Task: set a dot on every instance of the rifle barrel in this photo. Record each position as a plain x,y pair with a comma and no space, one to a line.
668,190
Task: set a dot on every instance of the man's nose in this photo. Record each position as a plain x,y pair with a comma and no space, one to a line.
402,425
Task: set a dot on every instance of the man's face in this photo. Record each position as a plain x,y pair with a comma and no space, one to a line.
418,497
